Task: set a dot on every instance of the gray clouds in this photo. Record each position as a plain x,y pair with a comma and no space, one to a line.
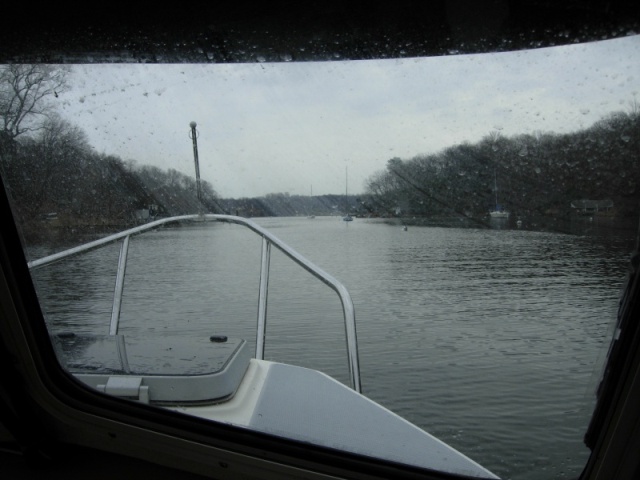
284,127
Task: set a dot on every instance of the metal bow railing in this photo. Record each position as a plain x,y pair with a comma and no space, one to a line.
268,240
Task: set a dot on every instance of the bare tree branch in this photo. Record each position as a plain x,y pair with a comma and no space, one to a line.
24,94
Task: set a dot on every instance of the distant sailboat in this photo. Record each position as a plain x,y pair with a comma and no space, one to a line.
498,211
311,197
347,217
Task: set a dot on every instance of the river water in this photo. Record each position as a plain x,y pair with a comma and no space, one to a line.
492,340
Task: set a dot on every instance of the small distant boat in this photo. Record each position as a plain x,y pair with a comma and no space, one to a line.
499,214
498,211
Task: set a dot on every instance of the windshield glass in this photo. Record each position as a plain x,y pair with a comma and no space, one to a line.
480,209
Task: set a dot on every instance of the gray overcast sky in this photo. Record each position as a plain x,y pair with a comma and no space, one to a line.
287,127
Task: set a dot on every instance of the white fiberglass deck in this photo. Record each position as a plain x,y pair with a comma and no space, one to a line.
307,405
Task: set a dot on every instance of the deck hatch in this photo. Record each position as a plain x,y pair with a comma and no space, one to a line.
174,369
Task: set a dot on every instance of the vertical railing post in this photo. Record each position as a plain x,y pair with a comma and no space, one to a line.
117,294
262,298
352,342
122,354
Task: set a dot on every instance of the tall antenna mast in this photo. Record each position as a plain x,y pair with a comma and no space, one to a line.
194,138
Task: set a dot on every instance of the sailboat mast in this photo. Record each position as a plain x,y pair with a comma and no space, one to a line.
346,182
346,188
347,217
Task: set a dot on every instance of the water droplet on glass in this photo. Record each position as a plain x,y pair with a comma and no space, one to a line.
523,151
584,111
625,138
537,170
261,59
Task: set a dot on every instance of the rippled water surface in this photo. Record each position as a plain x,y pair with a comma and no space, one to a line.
491,340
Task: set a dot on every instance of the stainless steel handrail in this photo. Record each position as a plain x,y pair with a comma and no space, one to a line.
268,239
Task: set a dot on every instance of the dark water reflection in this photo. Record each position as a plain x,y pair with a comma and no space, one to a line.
492,340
